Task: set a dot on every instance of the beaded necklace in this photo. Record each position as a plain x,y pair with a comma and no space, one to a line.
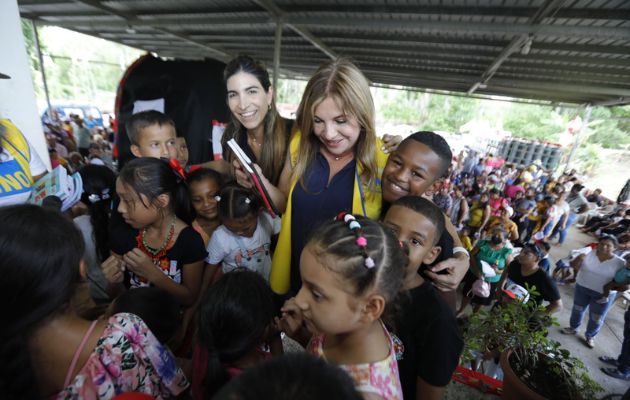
156,253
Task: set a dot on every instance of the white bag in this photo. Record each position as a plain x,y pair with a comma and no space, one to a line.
487,270
481,288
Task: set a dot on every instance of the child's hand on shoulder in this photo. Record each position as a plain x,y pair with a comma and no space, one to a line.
140,264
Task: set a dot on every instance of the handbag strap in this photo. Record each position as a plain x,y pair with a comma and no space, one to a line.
77,354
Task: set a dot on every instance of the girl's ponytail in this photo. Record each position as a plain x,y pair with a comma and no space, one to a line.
233,319
99,186
238,202
216,374
182,207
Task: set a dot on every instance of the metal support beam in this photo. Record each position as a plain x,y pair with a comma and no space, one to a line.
583,128
279,13
517,43
42,69
276,57
406,9
130,19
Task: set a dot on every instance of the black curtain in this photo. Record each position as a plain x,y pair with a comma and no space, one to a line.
194,95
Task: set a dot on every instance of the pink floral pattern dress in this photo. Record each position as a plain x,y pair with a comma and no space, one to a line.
380,378
127,358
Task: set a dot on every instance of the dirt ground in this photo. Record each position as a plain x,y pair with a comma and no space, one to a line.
611,174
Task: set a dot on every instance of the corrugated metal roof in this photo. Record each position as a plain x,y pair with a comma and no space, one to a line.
570,51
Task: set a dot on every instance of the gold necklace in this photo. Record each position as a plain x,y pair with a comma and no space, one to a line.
255,141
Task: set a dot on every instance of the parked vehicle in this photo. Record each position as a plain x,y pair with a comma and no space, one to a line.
91,115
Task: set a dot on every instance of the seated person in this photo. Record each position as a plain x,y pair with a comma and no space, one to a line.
505,222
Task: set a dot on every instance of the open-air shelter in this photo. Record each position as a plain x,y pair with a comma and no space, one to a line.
555,51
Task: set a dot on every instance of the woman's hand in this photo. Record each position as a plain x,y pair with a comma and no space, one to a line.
456,268
113,269
242,177
140,264
390,143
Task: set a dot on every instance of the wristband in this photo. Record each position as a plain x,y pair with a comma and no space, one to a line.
460,249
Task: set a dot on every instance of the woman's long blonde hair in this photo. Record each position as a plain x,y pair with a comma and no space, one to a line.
341,80
273,153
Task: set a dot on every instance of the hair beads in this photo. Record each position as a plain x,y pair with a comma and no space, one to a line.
354,226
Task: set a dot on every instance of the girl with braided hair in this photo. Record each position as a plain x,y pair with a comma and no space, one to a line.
352,270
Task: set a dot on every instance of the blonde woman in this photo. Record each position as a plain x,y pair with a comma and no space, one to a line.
333,164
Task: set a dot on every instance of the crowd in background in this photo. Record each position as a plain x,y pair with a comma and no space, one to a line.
74,142
173,279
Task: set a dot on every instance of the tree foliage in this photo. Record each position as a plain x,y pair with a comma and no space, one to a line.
78,67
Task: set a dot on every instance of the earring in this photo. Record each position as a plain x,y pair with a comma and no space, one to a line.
269,106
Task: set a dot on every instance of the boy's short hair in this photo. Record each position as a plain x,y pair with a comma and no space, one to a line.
291,376
427,208
144,119
437,144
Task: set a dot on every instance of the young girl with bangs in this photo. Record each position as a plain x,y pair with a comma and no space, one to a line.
166,252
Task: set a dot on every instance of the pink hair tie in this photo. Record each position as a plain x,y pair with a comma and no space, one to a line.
361,241
369,263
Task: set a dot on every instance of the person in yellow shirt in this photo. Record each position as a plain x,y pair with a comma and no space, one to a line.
504,221
537,218
464,236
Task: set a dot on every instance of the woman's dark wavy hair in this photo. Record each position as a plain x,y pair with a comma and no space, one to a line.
99,187
153,177
233,319
335,246
40,253
275,144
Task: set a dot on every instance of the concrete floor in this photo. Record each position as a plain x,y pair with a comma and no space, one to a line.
607,343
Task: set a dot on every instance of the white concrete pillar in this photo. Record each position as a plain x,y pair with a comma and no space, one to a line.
17,96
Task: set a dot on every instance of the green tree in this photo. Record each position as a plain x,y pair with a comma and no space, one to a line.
536,122
609,127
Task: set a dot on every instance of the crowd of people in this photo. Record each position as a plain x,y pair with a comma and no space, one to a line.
73,143
172,279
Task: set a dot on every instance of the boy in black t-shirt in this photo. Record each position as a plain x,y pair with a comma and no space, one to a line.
431,343
525,269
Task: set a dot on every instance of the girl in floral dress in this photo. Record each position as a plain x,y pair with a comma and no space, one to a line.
47,350
351,270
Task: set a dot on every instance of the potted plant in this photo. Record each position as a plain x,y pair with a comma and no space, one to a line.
534,366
